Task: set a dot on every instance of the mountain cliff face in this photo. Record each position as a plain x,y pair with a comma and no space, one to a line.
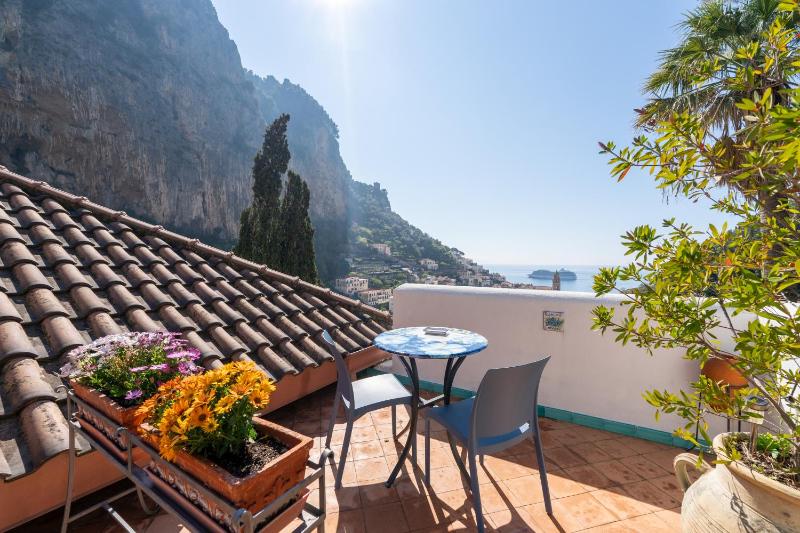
143,105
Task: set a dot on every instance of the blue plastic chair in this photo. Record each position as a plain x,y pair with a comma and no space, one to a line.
502,414
359,398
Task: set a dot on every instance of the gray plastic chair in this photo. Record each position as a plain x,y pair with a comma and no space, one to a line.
359,398
502,414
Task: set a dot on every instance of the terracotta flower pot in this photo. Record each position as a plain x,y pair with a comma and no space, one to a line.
253,492
719,370
119,415
732,497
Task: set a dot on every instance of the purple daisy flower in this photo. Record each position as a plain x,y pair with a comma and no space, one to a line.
133,394
140,368
187,367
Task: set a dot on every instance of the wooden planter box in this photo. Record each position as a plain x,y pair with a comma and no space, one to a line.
120,416
253,492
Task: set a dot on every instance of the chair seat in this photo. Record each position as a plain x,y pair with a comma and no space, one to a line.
456,417
379,391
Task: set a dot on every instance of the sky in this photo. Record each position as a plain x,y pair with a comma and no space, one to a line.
481,118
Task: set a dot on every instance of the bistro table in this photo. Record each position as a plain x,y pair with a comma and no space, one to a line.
430,343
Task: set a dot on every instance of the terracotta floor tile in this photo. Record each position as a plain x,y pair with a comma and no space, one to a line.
455,505
337,437
362,421
615,448
581,512
441,457
549,440
644,467
409,487
646,446
344,499
562,486
363,434
640,524
496,497
502,468
446,479
525,490
508,521
664,458
530,461
366,450
563,457
348,477
647,492
588,476
569,436
672,518
420,513
388,518
621,503
590,452
371,469
617,472
540,522
377,494
669,485
345,522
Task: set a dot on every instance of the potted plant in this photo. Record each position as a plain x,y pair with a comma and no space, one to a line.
204,425
726,295
116,373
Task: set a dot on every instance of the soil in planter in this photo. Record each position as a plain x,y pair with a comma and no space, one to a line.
257,455
766,464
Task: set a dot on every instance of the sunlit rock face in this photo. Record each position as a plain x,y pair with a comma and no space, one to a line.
143,105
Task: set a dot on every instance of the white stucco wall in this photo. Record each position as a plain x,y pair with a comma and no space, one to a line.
588,372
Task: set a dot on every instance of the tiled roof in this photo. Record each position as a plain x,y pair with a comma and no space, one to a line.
72,271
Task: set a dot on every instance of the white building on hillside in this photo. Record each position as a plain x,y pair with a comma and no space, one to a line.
382,248
351,284
429,264
375,296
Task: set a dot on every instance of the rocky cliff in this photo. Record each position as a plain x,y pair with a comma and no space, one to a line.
143,105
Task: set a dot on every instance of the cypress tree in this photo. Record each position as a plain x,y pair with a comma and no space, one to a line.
296,233
259,222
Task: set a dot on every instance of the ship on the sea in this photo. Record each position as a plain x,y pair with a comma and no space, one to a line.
563,274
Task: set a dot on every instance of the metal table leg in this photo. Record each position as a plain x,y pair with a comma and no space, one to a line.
411,368
449,377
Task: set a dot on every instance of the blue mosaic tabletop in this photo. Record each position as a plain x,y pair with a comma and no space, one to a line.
415,342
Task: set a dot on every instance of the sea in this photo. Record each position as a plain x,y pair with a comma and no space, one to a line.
584,273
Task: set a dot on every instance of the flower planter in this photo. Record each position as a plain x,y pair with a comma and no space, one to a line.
253,492
120,416
732,497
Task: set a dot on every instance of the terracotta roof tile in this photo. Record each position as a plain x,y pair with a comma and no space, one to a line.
72,271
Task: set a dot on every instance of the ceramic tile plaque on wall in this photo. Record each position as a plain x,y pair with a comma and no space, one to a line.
553,321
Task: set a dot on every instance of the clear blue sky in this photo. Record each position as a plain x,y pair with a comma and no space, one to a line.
480,118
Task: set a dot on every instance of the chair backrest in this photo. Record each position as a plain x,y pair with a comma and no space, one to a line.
344,384
507,399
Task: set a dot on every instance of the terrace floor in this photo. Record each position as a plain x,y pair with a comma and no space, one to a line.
599,481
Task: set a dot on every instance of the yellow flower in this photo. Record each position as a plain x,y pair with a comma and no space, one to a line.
226,403
201,416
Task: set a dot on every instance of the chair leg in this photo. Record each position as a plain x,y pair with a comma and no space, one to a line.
542,472
414,447
394,421
476,493
342,459
333,421
427,451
